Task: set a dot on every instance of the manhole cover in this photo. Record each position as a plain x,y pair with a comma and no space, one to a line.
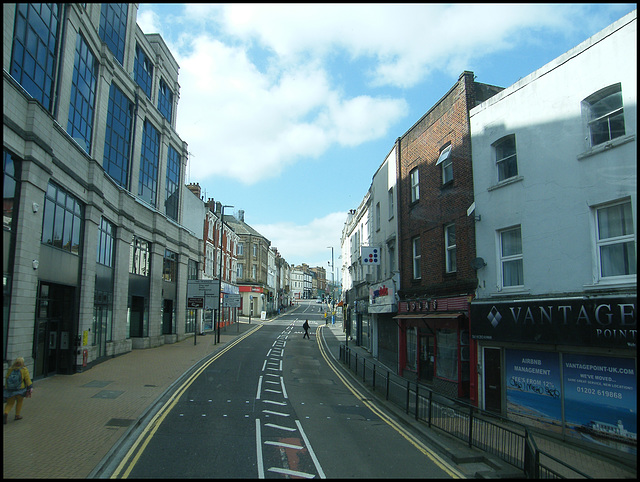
108,394
97,384
119,422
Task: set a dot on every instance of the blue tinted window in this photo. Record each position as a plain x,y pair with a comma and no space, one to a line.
149,158
35,39
106,245
173,181
143,71
165,100
62,220
113,27
83,94
118,136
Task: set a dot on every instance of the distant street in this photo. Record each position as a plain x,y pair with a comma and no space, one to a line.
272,407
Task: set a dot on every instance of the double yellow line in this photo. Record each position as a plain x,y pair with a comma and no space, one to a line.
435,458
133,455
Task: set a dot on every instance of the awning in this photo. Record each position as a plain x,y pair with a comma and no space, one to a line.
434,321
432,316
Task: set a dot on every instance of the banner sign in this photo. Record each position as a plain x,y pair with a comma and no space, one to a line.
370,254
605,322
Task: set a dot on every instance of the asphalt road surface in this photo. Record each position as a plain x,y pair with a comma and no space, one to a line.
272,405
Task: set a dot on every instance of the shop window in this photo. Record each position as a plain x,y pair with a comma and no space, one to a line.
412,348
447,358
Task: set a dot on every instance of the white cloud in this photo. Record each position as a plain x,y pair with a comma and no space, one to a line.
307,243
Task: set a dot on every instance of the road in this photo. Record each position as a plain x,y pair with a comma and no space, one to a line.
272,405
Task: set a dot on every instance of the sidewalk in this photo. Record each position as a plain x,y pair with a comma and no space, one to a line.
474,462
73,421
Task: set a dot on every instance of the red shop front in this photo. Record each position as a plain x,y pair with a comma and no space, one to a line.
434,344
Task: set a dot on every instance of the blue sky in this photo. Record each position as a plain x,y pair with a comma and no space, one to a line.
289,109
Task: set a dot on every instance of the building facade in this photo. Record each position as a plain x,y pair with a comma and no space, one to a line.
252,266
555,179
437,243
95,258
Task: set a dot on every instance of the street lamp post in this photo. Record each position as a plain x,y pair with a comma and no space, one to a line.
333,283
220,270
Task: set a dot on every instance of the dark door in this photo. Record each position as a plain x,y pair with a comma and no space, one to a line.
426,358
136,327
167,317
55,330
492,380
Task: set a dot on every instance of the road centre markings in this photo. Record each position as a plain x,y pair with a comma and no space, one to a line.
152,427
435,458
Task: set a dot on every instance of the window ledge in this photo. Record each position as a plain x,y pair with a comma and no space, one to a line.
506,182
511,292
622,285
618,141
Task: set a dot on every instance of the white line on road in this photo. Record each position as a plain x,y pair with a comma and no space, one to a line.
311,452
280,414
284,390
259,450
259,388
282,444
280,427
282,404
292,472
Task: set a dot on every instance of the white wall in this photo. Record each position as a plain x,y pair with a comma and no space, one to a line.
560,178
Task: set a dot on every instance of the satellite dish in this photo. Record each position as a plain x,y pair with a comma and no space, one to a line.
478,263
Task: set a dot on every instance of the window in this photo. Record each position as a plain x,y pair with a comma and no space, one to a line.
83,95
172,183
113,27
62,220
450,247
447,358
391,203
143,71
192,269
447,164
118,136
208,265
35,42
377,216
240,249
106,246
511,257
415,243
149,158
412,348
170,266
240,270
616,248
255,250
165,100
506,159
10,189
254,271
605,116
140,257
415,188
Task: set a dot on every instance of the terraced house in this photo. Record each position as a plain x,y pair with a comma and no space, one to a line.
95,256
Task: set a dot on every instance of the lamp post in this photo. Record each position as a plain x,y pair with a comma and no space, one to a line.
332,280
220,269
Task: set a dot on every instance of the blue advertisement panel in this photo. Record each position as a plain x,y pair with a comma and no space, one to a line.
600,396
533,388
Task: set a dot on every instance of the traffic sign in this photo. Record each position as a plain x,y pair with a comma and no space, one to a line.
231,300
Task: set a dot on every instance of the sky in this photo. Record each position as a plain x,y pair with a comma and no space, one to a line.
288,110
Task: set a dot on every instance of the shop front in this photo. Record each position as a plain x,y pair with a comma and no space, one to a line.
563,365
433,343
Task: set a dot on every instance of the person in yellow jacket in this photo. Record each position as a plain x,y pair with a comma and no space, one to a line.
14,393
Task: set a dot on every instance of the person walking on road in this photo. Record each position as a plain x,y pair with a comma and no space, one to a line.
306,329
17,385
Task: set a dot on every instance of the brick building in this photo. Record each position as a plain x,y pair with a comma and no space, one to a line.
437,242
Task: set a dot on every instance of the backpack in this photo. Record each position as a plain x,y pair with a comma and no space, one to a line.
14,380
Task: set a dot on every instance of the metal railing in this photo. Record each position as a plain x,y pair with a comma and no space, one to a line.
486,431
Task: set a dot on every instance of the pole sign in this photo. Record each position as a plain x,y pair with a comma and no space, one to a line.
231,300
199,289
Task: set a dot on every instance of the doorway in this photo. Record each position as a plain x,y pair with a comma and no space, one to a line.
136,327
492,380
55,330
167,318
425,370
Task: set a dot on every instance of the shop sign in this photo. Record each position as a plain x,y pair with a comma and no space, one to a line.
605,322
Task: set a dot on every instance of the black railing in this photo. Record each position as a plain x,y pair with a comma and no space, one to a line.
486,431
